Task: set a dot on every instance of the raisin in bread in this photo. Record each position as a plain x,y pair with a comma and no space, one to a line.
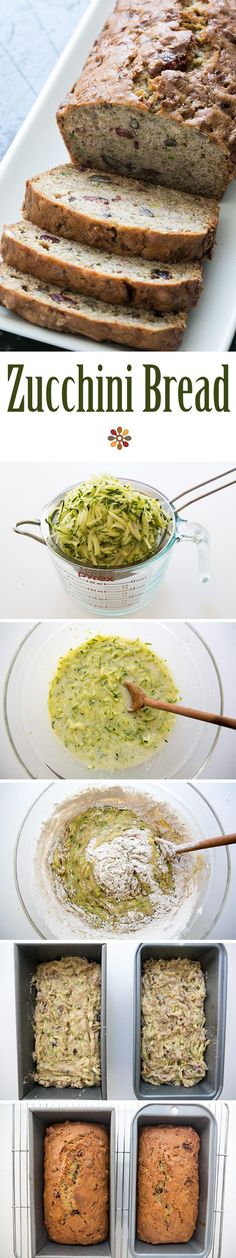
156,97
120,214
51,307
113,278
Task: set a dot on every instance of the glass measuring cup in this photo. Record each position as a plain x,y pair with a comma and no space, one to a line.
113,591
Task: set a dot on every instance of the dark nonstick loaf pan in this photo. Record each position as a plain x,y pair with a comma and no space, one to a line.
214,963
27,956
43,1116
201,1119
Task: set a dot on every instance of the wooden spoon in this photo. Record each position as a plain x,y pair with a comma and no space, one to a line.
222,840
140,700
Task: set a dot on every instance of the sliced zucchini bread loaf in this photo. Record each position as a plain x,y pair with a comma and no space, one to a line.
121,279
156,98
51,307
120,214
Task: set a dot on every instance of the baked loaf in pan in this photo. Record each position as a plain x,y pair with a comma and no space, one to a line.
76,1183
167,1184
67,1023
156,97
119,279
51,307
121,215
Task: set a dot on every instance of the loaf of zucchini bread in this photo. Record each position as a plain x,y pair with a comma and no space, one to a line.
156,97
167,1184
76,1183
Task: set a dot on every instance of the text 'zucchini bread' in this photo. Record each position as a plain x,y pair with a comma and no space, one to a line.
76,1183
156,98
67,1023
167,1184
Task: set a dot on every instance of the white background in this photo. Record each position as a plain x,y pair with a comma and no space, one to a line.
120,983
154,439
29,584
157,436
220,636
18,797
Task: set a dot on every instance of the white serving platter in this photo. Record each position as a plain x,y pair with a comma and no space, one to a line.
39,145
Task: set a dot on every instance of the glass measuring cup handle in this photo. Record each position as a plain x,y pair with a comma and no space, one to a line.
190,532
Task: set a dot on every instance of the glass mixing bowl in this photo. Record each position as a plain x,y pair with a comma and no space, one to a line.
195,672
48,918
114,591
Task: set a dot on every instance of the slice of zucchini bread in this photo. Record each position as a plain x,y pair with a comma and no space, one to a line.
112,277
51,307
156,98
121,215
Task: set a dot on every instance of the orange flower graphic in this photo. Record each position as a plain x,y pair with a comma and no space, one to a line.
119,437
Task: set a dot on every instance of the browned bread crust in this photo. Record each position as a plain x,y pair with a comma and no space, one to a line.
52,307
76,1183
168,1184
113,278
161,81
122,215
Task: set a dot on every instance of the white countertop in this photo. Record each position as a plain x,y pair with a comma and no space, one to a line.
29,584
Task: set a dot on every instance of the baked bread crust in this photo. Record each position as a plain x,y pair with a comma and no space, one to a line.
121,215
76,1183
119,279
167,1184
175,64
51,307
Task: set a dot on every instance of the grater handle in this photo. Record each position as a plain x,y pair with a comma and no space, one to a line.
190,532
17,528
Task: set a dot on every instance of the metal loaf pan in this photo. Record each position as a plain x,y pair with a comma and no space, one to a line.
214,963
26,957
199,1117
41,1117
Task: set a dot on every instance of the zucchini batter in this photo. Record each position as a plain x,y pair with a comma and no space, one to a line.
173,1035
89,705
101,863
67,1023
110,864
